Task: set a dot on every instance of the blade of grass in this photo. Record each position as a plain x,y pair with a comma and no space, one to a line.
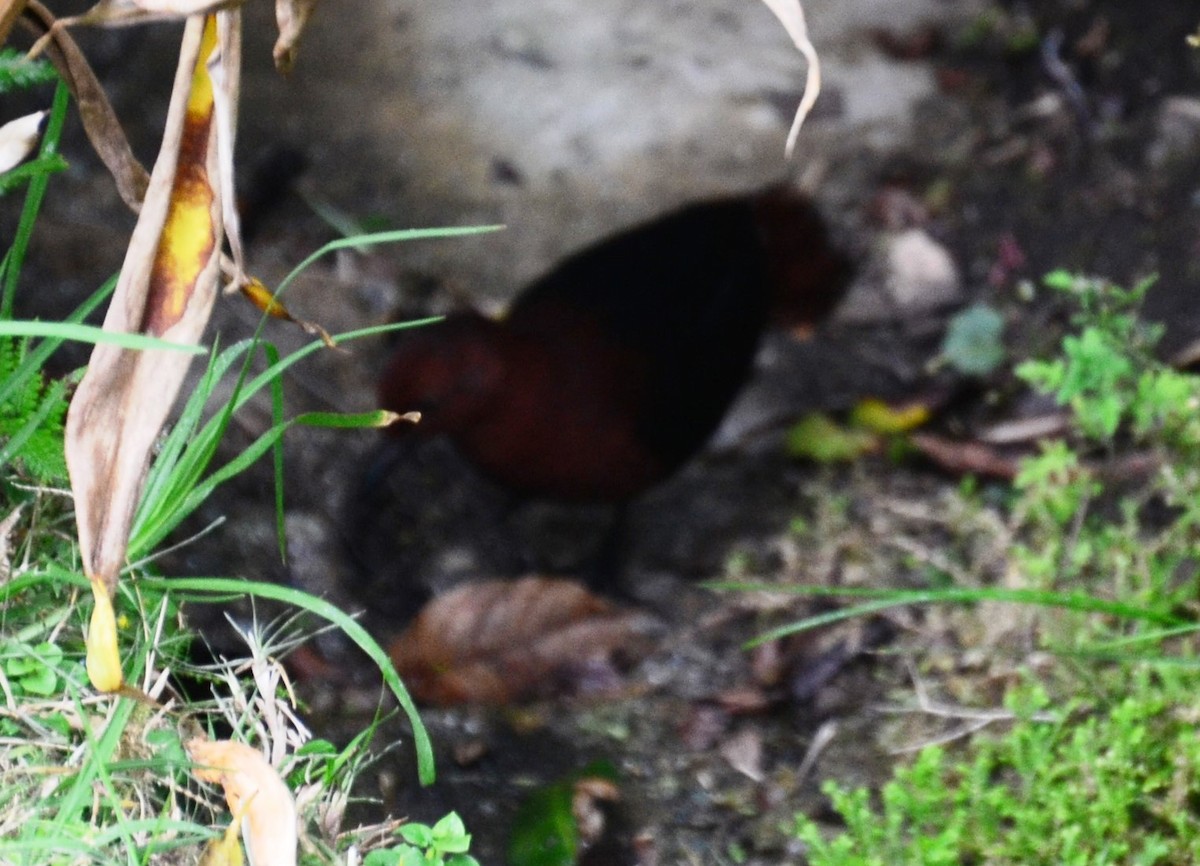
35,358
161,499
147,537
376,238
327,611
881,599
92,334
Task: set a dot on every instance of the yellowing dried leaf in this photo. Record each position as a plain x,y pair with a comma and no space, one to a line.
255,793
100,122
166,289
19,137
261,297
890,419
503,641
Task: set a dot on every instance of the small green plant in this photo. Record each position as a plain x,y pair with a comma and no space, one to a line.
444,844
1101,764
1111,786
31,417
1135,420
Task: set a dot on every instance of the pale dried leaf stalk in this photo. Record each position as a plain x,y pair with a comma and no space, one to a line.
166,289
791,14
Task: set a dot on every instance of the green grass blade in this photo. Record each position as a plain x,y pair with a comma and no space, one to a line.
331,613
92,334
36,357
388,237
881,599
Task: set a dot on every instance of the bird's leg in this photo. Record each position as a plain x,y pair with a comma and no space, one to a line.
603,573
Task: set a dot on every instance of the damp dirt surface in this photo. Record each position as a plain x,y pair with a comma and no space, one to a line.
1013,138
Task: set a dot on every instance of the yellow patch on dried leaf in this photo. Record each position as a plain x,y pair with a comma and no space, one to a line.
189,232
225,850
255,792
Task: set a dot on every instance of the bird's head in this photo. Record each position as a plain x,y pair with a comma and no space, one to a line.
807,271
450,372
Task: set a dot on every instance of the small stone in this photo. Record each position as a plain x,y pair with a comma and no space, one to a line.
1178,128
921,274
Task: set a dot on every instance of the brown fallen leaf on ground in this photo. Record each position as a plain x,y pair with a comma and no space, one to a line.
254,793
505,641
963,457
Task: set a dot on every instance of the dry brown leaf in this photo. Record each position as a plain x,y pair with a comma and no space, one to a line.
744,752
261,297
255,793
291,16
968,456
504,641
100,122
224,70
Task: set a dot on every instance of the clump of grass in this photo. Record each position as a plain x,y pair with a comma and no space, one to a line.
1101,764
1106,786
87,778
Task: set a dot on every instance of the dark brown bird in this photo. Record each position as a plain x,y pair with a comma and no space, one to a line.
615,368
606,376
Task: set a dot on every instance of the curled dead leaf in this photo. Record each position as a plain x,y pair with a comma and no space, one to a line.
291,16
262,297
505,641
254,792
100,122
